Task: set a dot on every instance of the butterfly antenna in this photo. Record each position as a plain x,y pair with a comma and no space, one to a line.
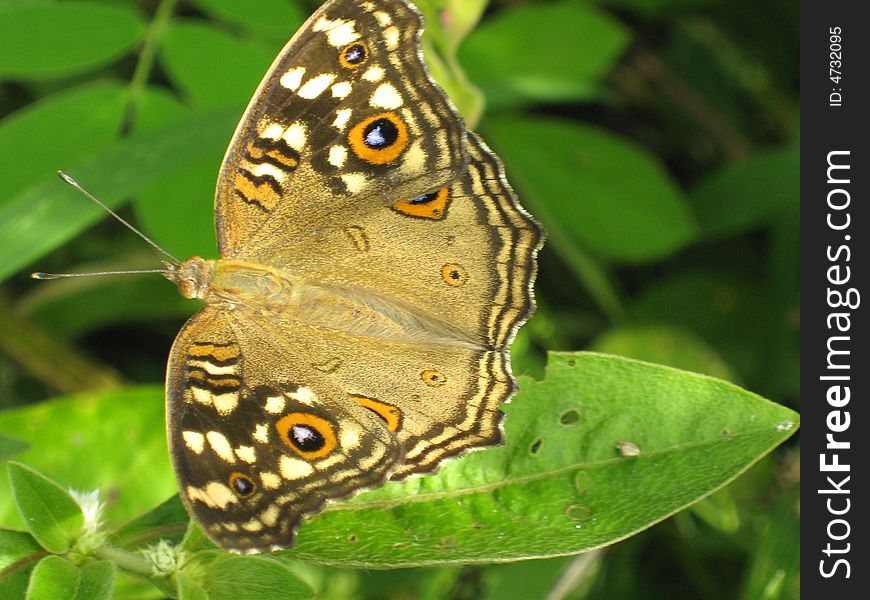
72,182
40,275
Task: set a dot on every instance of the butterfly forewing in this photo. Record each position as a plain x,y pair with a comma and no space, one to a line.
346,119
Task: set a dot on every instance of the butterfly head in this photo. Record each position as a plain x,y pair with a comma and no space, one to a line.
191,276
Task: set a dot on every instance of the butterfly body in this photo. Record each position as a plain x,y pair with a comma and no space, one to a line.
375,266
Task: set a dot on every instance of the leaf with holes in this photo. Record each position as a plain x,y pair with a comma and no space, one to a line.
564,482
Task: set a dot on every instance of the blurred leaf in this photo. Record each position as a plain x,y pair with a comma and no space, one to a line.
18,555
774,573
666,346
56,132
10,446
744,196
48,511
229,577
178,209
168,520
114,441
46,213
559,486
272,19
605,192
54,578
213,68
58,40
720,309
524,580
97,581
543,52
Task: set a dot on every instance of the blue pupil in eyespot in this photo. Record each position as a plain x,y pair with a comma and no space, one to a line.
306,438
424,198
380,134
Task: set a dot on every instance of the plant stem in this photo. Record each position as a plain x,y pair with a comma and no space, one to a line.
145,64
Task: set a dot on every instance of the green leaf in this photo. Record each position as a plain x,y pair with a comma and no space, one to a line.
230,577
664,345
168,520
560,485
10,446
57,131
48,511
59,40
543,52
18,555
97,581
602,191
188,589
748,195
114,440
54,578
273,19
213,68
46,213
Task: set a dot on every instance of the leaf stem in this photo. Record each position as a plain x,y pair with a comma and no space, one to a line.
147,59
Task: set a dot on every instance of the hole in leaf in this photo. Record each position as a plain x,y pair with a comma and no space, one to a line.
570,417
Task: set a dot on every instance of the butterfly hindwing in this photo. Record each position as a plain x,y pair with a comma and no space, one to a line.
258,440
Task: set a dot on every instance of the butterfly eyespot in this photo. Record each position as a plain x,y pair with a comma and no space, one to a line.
379,139
353,55
241,484
427,206
454,275
309,436
433,378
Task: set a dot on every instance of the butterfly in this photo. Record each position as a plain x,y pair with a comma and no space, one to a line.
374,268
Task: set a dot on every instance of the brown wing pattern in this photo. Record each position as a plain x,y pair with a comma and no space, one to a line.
346,116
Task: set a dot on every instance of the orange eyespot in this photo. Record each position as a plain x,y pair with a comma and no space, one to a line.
310,436
241,484
454,275
353,55
389,413
433,378
379,139
426,206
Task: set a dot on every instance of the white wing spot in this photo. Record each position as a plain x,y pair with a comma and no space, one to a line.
349,437
270,516
225,404
271,481
247,454
312,88
202,396
386,96
214,369
292,78
374,73
275,404
305,395
270,170
296,136
261,433
342,35
337,156
355,182
253,525
391,38
341,89
194,441
293,468
221,446
272,131
383,18
342,116
213,495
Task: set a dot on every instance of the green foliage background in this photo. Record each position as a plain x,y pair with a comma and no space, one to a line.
656,140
